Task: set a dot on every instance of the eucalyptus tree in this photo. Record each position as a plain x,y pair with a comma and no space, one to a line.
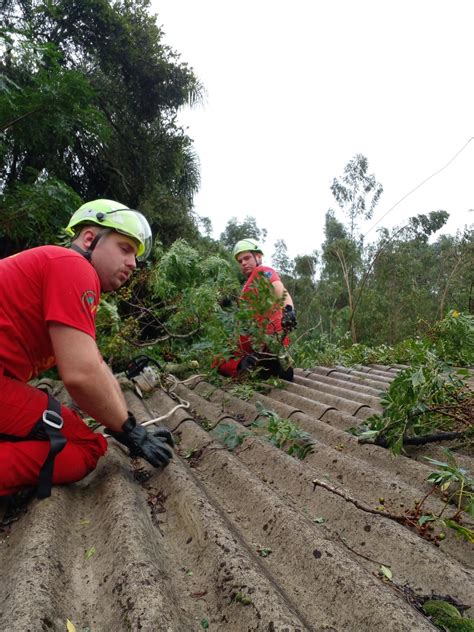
456,283
306,299
357,193
341,257
281,260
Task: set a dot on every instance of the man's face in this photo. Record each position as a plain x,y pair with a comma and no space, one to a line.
114,260
248,261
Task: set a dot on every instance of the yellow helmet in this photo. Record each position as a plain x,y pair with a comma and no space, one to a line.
118,217
246,245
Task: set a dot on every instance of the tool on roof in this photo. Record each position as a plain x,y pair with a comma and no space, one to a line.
146,374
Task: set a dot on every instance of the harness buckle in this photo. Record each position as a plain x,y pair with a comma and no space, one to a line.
53,419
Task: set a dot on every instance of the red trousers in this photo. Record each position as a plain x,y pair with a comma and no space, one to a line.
20,463
230,367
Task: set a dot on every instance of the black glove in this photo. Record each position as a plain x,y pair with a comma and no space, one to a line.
247,364
288,319
226,301
152,446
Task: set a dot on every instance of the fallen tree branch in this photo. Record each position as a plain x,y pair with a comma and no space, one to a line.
423,440
358,503
168,334
150,343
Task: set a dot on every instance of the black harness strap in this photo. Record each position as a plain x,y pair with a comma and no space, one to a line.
47,428
50,424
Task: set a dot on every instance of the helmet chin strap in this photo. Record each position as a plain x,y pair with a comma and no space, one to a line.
87,254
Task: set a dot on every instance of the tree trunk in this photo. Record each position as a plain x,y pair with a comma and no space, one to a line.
346,274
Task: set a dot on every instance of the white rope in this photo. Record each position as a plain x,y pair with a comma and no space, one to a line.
193,377
185,405
173,380
173,383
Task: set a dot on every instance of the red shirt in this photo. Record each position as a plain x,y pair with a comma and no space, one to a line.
37,287
273,317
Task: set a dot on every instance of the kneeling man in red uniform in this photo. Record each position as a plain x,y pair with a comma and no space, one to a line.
48,302
249,255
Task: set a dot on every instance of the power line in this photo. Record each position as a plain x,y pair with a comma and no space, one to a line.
420,185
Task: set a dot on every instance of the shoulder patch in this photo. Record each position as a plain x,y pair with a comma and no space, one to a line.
267,273
89,300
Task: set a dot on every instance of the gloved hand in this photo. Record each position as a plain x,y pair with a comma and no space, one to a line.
226,301
152,446
288,319
247,364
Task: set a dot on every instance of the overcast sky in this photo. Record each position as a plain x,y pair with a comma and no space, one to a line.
295,89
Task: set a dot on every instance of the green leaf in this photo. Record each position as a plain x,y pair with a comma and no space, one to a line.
204,624
88,553
243,599
434,606
231,436
469,509
264,551
418,378
424,519
441,464
386,572
463,532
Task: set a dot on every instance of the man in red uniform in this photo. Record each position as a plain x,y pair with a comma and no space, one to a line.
48,302
248,255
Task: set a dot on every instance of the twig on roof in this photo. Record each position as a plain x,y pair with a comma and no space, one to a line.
358,503
369,559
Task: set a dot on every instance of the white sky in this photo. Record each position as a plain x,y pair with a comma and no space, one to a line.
296,89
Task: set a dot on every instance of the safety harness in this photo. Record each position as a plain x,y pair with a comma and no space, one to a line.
47,428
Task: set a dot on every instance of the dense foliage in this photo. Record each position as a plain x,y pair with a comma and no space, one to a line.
88,109
421,401
450,339
172,310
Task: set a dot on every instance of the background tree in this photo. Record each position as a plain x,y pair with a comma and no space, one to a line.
90,102
413,280
281,261
455,253
305,266
357,193
235,231
340,257
303,291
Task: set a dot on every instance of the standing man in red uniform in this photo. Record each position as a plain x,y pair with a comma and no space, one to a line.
249,255
48,302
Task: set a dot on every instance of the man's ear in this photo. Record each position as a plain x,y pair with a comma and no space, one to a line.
86,236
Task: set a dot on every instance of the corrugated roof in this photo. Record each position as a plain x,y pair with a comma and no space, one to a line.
248,539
